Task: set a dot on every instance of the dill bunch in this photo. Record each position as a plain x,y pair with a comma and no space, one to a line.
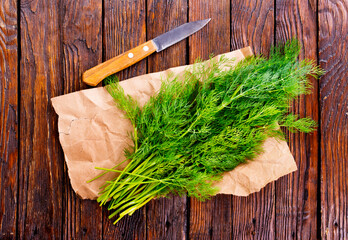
205,124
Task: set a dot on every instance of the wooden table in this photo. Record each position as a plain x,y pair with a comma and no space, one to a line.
46,45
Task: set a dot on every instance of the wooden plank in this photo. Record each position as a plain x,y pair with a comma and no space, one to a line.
334,118
82,49
296,194
124,29
252,23
41,161
166,218
254,216
211,219
213,38
8,118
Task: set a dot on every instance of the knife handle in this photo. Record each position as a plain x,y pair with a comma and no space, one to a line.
96,74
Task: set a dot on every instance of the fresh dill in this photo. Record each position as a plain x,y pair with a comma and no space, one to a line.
205,124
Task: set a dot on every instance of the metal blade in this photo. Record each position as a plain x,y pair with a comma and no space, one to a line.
177,34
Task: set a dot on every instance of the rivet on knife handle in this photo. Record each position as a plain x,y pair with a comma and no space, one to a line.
96,74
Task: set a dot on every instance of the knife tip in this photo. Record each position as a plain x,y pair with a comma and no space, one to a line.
205,21
202,22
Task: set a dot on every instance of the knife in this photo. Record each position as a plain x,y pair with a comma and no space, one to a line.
96,74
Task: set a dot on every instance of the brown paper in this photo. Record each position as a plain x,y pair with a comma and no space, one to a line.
94,133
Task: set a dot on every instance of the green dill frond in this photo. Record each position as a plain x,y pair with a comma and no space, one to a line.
206,122
294,124
123,101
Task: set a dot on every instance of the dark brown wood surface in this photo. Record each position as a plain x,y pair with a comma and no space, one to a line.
8,118
297,194
45,46
332,53
81,43
40,198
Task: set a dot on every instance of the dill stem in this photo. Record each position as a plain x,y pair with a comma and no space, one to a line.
132,174
102,174
135,138
191,126
104,198
125,198
142,202
130,165
119,189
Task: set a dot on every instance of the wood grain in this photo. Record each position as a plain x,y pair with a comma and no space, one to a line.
124,29
333,51
210,219
82,49
252,23
8,119
253,217
213,38
296,194
166,218
41,161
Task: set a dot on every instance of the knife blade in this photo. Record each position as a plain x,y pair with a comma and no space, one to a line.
96,74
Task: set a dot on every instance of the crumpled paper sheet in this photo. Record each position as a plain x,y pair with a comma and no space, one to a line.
94,133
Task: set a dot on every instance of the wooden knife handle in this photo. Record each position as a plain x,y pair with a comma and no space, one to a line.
96,74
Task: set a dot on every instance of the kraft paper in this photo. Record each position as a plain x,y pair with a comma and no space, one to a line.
94,133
